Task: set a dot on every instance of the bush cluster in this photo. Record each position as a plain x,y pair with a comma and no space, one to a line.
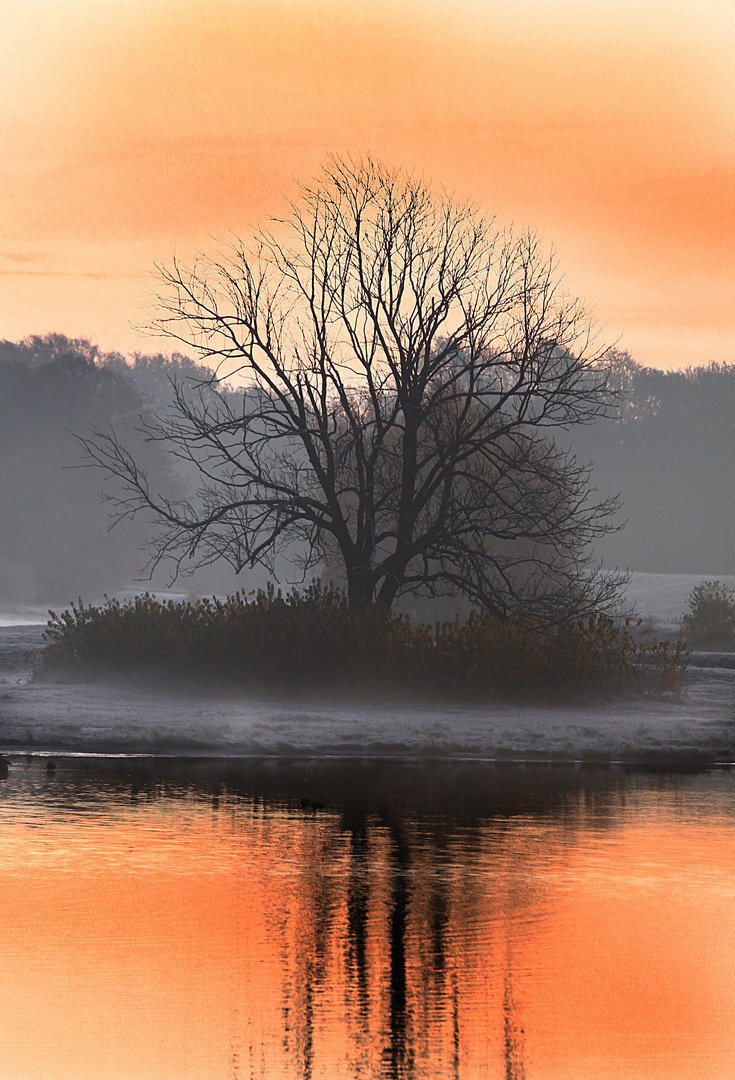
313,640
711,616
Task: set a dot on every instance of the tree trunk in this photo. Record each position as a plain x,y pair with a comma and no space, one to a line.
387,593
360,581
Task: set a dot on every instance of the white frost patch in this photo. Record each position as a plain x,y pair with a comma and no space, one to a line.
24,617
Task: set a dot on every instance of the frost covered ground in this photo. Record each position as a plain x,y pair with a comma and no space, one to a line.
697,727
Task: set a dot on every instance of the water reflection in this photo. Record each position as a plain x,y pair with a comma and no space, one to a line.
342,919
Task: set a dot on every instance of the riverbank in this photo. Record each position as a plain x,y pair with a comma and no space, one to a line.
694,728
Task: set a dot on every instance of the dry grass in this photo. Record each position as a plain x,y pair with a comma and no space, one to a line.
313,640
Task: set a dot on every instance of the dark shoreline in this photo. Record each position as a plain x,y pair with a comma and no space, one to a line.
663,761
349,788
693,731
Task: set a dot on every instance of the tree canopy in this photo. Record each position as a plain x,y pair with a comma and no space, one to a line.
407,365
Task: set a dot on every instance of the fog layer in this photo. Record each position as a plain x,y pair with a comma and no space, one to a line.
56,540
670,455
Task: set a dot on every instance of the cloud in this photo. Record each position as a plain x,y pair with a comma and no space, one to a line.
22,257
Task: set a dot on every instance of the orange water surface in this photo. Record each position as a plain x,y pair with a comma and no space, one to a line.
547,925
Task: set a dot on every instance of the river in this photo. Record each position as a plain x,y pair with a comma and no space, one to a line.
328,918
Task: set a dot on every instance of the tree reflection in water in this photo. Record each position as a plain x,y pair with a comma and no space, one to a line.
393,934
513,1033
401,1058
414,915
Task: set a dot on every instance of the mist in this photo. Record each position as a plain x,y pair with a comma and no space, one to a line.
669,456
58,536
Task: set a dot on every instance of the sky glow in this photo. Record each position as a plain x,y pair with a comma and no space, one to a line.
132,131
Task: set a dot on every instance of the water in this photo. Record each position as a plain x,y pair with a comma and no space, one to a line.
193,919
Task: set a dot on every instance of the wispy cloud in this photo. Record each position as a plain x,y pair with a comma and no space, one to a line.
94,275
23,256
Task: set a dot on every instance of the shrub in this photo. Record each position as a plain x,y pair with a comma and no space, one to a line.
711,616
313,640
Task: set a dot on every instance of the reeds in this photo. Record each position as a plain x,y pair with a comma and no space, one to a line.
312,640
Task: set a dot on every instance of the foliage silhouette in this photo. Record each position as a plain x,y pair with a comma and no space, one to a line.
711,616
407,365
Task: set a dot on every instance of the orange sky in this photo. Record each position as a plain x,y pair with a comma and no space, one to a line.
131,129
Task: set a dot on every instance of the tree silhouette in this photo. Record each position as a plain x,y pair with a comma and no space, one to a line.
407,365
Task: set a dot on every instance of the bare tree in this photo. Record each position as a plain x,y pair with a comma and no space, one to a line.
407,365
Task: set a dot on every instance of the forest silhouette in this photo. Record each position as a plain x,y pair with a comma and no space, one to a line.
669,455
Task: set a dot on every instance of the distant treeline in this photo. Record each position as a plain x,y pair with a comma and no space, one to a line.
55,537
671,455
